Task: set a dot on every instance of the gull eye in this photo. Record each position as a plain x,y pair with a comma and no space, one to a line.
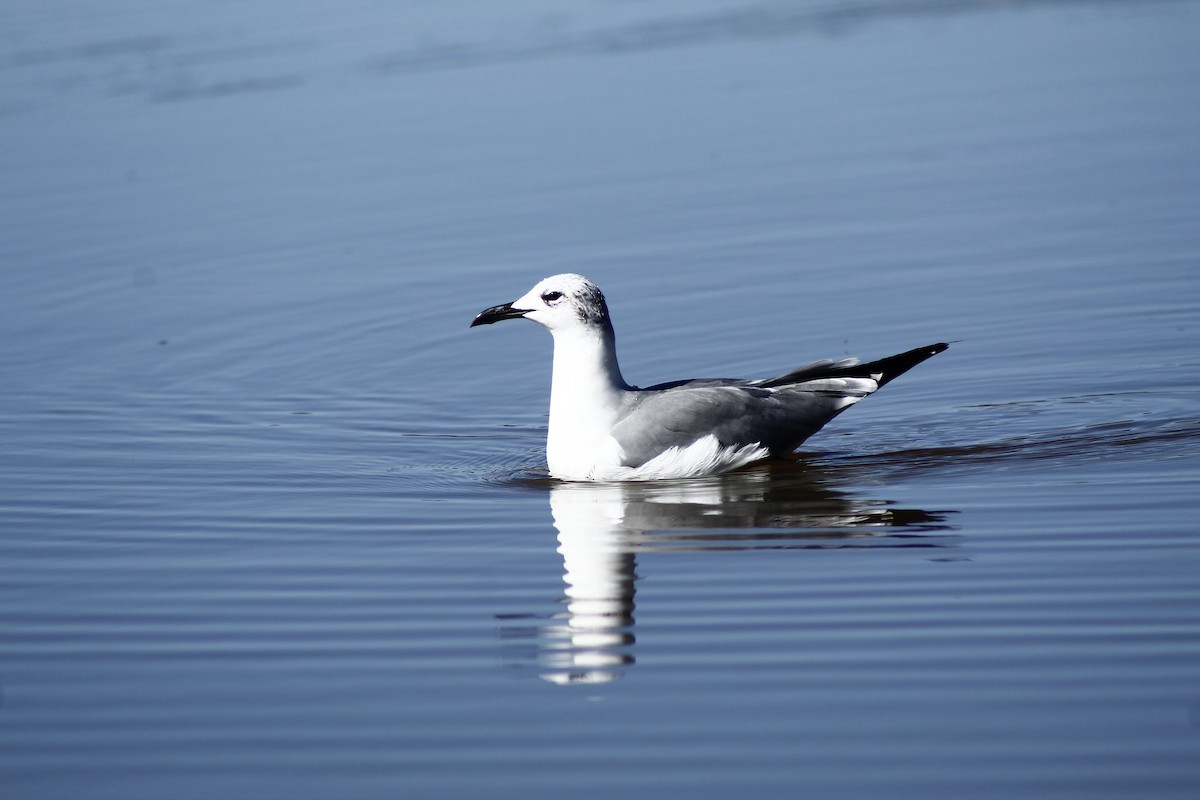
551,297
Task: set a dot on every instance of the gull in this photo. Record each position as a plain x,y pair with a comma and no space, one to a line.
603,429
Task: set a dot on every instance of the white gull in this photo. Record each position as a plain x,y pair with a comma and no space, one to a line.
603,429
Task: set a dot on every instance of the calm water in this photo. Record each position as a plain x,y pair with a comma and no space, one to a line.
275,523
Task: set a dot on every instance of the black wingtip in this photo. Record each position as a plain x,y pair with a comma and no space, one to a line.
883,370
895,366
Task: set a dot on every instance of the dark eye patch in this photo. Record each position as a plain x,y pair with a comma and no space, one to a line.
551,296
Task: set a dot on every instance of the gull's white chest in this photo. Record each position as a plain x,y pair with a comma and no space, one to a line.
579,444
585,400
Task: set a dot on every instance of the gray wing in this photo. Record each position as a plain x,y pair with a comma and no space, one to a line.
777,413
736,412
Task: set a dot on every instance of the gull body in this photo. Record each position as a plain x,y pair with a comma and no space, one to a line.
603,429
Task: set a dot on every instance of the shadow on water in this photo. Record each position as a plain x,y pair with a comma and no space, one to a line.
663,28
170,65
800,503
603,528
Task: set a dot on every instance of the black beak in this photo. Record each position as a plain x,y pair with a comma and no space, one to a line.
498,313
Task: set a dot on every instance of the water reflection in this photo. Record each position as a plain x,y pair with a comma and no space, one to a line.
603,527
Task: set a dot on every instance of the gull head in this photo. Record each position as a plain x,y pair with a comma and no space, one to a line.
566,302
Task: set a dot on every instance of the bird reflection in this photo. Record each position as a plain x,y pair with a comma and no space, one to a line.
603,527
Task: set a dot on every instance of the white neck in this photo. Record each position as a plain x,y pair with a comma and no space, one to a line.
585,397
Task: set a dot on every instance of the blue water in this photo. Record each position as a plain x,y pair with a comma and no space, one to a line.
275,522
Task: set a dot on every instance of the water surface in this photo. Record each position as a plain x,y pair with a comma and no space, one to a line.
275,522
